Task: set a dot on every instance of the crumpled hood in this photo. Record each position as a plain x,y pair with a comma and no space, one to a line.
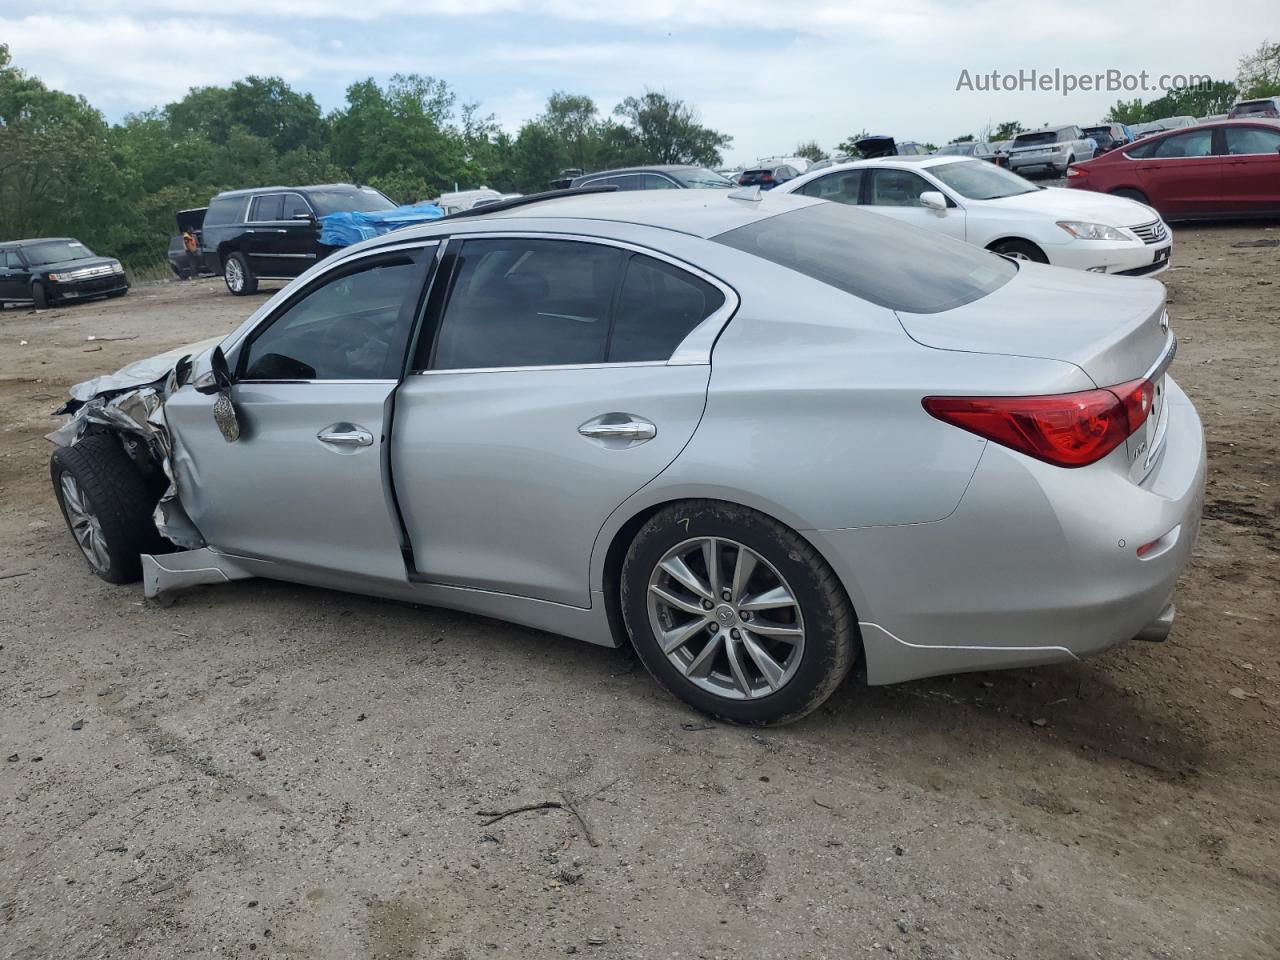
141,372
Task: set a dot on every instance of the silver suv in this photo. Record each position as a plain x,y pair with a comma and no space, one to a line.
1051,149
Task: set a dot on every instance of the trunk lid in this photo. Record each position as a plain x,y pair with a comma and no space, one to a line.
1113,328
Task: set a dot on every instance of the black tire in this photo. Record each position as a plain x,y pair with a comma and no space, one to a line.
235,269
120,499
39,296
1019,250
1130,194
831,640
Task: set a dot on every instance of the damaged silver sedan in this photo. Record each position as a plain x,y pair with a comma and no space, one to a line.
698,422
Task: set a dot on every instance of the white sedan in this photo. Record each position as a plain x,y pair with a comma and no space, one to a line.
978,202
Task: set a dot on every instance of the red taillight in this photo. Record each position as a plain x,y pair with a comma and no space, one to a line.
1067,430
766,178
1076,172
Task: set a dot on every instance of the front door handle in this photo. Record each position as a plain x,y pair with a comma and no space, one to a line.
618,429
345,435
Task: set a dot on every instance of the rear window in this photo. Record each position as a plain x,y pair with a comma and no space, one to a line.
875,258
1254,107
1035,139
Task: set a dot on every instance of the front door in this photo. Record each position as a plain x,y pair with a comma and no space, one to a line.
896,194
562,377
1251,170
1181,175
306,482
15,278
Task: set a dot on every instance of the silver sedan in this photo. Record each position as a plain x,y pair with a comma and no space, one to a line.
760,439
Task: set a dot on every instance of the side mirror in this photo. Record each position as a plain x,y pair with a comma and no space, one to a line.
934,200
218,381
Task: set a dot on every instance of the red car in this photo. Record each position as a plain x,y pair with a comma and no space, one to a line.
1225,169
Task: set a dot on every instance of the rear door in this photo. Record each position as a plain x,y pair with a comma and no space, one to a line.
1251,169
306,483
15,278
263,232
556,378
295,242
896,193
1181,175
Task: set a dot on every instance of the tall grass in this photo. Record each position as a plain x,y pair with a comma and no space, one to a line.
148,269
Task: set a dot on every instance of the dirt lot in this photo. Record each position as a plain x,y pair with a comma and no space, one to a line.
268,770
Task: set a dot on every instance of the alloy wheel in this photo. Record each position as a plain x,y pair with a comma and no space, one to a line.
726,618
85,526
235,275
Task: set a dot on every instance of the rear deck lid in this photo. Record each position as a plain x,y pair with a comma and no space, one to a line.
1113,328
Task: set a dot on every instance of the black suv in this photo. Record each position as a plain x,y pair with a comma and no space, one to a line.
273,233
55,270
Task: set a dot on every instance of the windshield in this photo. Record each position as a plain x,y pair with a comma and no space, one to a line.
958,150
702,178
1035,139
892,264
55,251
347,200
979,180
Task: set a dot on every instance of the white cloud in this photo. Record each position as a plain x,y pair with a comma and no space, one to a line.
822,70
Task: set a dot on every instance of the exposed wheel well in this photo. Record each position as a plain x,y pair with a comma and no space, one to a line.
617,553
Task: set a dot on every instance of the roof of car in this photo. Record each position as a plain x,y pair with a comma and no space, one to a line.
1210,124
9,244
700,213
650,168
314,186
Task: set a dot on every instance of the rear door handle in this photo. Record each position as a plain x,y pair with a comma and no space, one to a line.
345,435
618,429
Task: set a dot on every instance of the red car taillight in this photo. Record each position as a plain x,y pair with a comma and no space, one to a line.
1076,172
1066,430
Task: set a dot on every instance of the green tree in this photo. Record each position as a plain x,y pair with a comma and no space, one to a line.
967,138
1007,130
1215,96
811,151
1259,72
662,129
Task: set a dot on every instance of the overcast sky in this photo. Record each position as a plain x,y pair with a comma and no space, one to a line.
769,73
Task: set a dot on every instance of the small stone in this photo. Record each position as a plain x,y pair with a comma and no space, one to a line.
899,850
1039,722
14,758
1238,693
253,903
78,725
902,926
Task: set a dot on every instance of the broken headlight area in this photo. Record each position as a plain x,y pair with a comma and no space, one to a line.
130,403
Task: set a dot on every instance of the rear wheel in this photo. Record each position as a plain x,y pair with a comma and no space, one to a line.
107,506
735,613
1130,194
1019,250
239,278
39,296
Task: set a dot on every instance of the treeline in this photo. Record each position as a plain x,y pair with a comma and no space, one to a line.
1258,76
65,170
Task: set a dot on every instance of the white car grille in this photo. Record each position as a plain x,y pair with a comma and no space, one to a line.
1153,232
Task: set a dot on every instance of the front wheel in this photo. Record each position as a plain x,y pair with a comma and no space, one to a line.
735,613
1019,250
39,296
1130,194
239,278
107,506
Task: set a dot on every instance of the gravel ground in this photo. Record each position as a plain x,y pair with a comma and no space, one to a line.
269,770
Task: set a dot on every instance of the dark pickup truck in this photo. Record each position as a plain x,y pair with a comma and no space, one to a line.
273,233
57,270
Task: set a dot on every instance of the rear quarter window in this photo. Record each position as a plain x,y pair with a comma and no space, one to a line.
874,258
224,211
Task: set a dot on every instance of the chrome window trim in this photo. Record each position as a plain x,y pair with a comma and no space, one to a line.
693,350
338,260
326,382
253,202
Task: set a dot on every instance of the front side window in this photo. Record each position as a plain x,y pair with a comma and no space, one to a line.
897,188
659,305
1198,143
654,181
519,302
697,177
294,206
1244,141
353,326
269,206
11,260
842,187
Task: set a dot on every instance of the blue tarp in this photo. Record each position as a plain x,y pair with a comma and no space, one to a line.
344,229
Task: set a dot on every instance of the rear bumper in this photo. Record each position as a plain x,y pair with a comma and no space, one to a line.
1037,564
1055,161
